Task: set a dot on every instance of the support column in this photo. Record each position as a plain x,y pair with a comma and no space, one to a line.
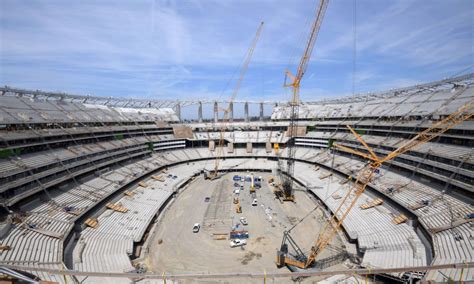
178,111
200,112
231,112
246,111
216,112
261,111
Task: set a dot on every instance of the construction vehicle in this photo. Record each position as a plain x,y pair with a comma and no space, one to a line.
219,150
238,208
286,191
252,183
365,176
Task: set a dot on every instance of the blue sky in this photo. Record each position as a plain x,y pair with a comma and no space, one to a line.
190,49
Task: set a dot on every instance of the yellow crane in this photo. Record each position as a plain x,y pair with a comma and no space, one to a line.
364,177
219,150
285,190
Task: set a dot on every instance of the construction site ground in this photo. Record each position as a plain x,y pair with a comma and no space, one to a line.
175,249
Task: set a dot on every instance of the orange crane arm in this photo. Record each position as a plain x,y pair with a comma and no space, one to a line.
320,11
428,134
353,151
359,138
463,113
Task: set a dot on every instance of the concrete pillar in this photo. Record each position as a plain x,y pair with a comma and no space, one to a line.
216,112
200,112
178,111
246,111
231,112
261,111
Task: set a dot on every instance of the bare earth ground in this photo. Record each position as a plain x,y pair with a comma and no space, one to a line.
183,252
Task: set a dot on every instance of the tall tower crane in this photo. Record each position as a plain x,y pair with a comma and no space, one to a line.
364,177
286,191
219,151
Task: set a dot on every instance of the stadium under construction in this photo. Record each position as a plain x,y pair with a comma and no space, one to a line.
374,187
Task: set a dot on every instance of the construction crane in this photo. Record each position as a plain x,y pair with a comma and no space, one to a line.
219,151
285,190
365,176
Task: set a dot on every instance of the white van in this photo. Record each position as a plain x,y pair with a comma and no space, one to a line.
255,202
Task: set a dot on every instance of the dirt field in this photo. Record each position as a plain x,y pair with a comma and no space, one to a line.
183,252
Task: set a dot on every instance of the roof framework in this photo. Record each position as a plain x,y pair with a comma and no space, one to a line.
144,103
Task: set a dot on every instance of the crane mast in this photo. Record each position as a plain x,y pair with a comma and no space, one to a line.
364,177
248,57
287,190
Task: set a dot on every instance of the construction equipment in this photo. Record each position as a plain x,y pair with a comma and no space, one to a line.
92,222
219,151
400,219
287,192
158,178
373,203
252,183
116,207
364,177
238,208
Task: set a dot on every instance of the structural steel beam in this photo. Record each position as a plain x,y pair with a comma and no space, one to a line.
261,275
122,102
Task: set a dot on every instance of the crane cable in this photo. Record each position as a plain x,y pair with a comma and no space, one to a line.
302,219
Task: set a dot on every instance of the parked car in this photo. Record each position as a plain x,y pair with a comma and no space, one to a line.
254,202
238,243
196,227
237,191
243,220
207,199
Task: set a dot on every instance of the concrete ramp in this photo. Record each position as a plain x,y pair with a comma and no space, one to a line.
183,132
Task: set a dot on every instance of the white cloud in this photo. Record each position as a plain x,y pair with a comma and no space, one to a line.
177,48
